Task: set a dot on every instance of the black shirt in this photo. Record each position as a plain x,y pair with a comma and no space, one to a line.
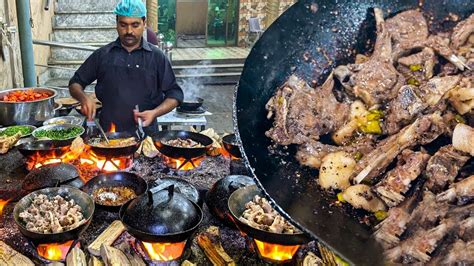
143,76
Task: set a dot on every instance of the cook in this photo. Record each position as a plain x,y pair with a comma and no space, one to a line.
129,72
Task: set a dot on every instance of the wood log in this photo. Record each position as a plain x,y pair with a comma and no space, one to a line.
210,243
9,256
188,263
132,256
110,234
113,257
311,259
76,257
94,261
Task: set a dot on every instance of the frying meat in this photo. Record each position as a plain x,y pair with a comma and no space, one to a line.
416,248
115,143
462,191
408,30
388,231
52,215
463,138
403,109
460,253
113,196
182,143
260,214
440,44
375,81
462,31
397,181
418,68
302,113
443,167
361,197
423,130
427,214
462,96
436,88
312,153
466,229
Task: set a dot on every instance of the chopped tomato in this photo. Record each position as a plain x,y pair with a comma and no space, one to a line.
25,96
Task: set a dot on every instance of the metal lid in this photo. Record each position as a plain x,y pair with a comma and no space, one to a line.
161,213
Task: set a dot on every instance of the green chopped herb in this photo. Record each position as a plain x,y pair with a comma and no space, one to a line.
59,134
372,127
358,155
380,215
10,131
416,67
413,81
459,119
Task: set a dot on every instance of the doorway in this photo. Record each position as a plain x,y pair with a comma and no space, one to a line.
191,23
222,22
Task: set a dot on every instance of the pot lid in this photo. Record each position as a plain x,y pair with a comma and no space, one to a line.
50,175
161,213
180,186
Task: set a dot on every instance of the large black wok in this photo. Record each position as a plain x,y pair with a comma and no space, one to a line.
44,147
324,30
181,152
80,198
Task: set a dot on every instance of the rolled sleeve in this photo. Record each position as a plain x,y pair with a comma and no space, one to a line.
168,84
87,72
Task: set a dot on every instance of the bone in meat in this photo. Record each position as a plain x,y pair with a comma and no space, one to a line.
463,191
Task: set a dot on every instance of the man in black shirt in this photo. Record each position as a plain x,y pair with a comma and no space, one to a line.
129,72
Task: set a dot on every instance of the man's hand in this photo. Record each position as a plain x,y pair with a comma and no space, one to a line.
88,107
146,116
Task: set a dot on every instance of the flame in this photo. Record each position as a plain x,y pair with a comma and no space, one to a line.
55,156
226,154
3,203
54,251
178,163
112,127
164,251
275,252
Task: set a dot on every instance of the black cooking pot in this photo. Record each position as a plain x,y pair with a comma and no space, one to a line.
179,152
191,104
231,145
180,186
163,216
114,152
51,175
116,179
236,203
44,147
79,197
310,39
218,195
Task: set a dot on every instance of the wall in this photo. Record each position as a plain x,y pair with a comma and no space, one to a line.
191,17
259,9
42,22
10,68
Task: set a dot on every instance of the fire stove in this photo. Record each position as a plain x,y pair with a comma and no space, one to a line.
183,164
275,253
54,252
163,253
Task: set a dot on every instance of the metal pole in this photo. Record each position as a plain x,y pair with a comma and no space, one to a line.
26,43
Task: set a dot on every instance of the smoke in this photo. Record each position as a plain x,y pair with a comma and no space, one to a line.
193,84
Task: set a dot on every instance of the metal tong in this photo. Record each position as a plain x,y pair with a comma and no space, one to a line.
96,121
140,124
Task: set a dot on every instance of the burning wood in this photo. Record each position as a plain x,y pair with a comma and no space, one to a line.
9,256
210,243
311,259
94,261
76,257
107,237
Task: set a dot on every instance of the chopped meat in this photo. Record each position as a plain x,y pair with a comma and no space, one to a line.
397,181
462,191
52,215
361,197
462,31
416,248
260,214
460,253
440,44
462,96
183,143
403,109
466,229
302,113
312,153
436,88
443,167
427,214
418,67
423,130
376,81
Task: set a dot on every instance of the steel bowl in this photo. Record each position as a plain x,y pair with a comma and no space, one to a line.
27,113
74,120
53,127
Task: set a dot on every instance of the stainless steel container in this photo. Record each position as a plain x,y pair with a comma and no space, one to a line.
27,113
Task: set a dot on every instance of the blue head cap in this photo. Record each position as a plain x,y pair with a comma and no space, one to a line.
131,8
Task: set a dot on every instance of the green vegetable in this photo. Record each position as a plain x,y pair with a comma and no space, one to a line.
358,155
459,119
371,123
413,81
59,134
380,215
340,197
10,131
372,127
341,262
416,67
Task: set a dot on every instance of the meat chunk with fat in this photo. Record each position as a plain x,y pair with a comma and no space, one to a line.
302,113
462,191
443,167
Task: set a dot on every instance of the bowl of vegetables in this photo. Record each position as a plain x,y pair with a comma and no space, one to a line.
25,130
26,106
58,132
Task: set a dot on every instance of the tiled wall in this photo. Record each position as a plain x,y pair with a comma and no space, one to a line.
255,8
